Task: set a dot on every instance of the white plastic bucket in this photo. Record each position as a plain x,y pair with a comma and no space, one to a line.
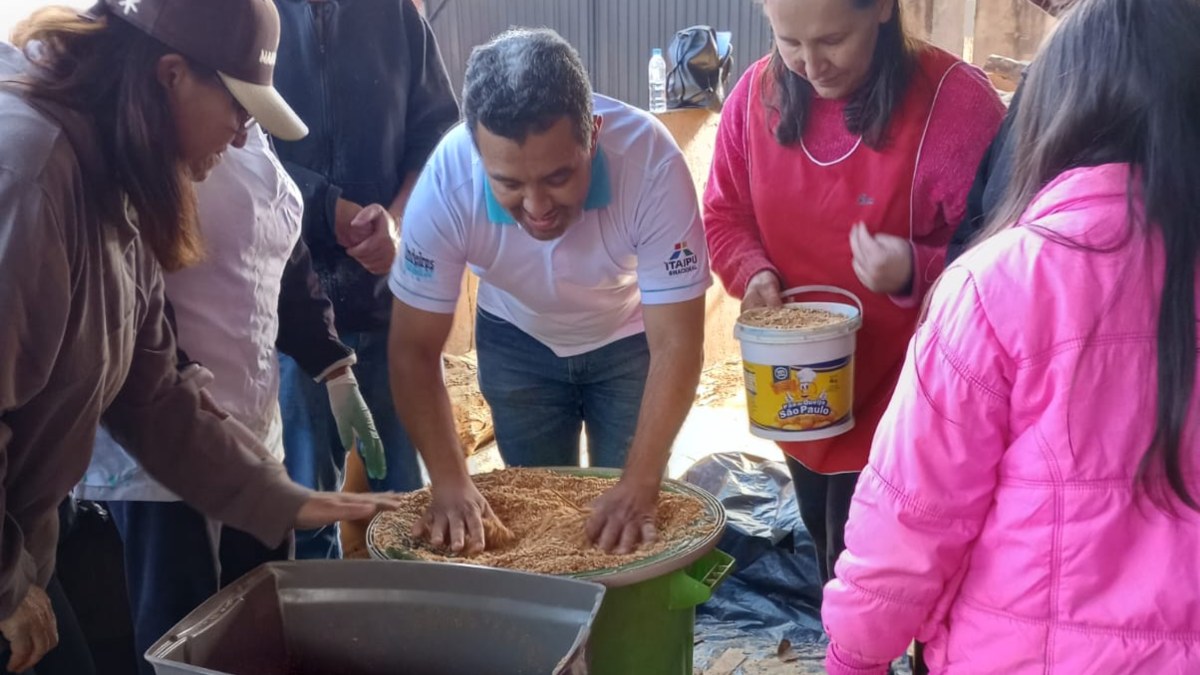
800,381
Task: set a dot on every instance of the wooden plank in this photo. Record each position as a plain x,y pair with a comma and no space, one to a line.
696,133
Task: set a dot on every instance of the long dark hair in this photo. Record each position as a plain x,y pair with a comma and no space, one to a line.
870,108
1117,82
106,69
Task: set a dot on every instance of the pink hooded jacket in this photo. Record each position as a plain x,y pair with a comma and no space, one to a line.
998,521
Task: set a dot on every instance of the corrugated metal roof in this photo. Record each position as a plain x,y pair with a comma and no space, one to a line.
614,37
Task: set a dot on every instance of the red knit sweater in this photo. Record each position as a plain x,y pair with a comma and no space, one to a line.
963,122
965,115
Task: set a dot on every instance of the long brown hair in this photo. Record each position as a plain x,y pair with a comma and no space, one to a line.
106,69
870,108
1116,83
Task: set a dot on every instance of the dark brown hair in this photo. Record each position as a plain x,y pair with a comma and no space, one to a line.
870,108
107,70
1116,83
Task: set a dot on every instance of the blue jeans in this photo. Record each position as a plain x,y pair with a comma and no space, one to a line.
169,568
313,453
541,401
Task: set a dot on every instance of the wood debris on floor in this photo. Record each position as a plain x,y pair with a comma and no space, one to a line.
721,384
726,663
472,416
759,656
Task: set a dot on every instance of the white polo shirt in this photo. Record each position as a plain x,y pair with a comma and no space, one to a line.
226,308
640,240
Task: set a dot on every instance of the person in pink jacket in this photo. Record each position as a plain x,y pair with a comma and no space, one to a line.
1031,499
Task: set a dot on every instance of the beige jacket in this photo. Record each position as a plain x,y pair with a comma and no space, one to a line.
83,337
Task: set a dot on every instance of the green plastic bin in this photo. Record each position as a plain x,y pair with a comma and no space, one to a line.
649,628
646,624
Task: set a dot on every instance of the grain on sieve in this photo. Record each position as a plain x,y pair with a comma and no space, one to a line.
545,512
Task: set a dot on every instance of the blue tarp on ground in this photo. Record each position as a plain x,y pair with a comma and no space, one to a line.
775,589
774,592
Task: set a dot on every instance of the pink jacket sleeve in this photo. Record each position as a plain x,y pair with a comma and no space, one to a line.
961,126
729,223
922,499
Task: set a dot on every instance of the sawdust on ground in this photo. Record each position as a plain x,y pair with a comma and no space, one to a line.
721,384
472,416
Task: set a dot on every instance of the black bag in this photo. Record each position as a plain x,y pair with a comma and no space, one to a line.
702,61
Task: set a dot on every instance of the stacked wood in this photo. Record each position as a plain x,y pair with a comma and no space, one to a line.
1005,73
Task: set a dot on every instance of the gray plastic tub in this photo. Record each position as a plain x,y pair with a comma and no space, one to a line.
361,617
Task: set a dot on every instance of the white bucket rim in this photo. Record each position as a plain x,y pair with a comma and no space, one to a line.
853,313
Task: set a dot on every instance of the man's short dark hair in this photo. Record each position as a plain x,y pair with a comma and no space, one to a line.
523,82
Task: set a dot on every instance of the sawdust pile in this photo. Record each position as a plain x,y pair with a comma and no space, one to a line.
722,383
545,513
472,416
803,318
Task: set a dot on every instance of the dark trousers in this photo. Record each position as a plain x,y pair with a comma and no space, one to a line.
72,655
824,502
169,566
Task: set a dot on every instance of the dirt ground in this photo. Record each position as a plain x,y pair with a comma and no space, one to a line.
759,657
472,417
722,385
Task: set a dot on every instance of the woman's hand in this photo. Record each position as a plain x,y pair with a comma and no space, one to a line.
882,262
762,291
31,631
327,508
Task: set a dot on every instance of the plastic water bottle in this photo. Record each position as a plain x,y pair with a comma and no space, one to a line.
658,82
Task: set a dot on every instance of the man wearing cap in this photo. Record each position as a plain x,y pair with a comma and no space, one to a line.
368,78
579,216
107,118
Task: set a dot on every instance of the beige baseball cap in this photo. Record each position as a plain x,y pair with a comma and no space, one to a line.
236,38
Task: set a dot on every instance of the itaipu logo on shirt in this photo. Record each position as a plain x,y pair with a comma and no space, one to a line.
682,260
418,265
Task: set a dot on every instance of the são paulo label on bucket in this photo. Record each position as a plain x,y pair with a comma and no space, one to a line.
800,397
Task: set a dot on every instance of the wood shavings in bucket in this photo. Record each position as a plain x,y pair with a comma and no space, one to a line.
802,318
545,512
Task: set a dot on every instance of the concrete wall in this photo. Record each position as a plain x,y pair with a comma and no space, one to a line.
613,37
1012,28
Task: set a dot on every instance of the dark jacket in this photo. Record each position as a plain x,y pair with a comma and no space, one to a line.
306,325
991,180
367,78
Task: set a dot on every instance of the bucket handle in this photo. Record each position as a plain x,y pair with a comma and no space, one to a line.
800,290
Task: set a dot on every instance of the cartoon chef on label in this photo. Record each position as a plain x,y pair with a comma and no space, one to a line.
807,377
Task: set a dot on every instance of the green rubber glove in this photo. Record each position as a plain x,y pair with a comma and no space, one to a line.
354,421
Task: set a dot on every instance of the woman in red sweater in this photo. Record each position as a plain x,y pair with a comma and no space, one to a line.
843,158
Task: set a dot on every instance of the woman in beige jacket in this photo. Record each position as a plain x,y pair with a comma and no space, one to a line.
107,119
